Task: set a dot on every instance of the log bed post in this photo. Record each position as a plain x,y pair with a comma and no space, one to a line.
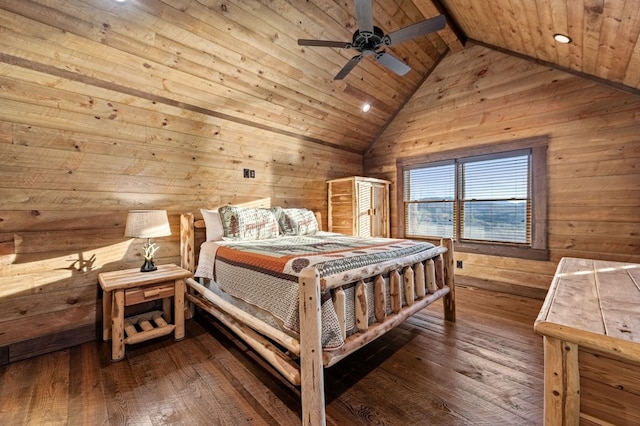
311,368
187,253
449,300
187,241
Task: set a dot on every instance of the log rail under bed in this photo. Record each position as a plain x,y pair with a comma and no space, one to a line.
423,281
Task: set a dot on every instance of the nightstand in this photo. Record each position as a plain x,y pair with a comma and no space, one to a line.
132,287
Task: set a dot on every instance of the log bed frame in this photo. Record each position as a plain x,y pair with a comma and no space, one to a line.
301,362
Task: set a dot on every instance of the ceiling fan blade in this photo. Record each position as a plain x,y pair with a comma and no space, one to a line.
364,15
325,43
348,67
421,28
393,63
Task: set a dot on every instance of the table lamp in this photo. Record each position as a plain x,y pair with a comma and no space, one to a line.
147,224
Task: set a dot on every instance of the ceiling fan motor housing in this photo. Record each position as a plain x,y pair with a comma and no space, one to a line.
366,41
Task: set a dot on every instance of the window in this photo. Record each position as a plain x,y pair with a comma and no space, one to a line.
429,197
488,202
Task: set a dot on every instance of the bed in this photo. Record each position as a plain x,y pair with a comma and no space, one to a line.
302,298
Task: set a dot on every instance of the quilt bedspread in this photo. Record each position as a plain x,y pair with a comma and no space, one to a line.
265,272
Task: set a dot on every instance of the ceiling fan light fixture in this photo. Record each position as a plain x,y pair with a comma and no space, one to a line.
562,38
366,107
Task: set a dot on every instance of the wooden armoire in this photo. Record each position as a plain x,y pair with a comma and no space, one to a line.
359,206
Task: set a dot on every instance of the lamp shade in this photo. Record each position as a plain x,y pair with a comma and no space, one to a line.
147,224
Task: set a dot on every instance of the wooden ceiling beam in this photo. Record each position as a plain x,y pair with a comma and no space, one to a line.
451,34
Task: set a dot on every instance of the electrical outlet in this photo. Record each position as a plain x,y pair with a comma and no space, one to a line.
459,264
247,173
252,173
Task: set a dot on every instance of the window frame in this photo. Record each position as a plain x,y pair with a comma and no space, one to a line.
538,249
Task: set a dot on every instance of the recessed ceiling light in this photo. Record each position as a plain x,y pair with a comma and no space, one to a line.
366,107
561,38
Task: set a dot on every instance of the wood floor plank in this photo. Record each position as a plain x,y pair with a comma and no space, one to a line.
15,391
235,389
162,384
485,369
87,399
125,404
49,405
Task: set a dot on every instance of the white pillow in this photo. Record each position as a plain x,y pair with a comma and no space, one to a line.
212,221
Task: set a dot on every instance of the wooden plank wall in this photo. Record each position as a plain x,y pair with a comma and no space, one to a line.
101,112
77,151
481,96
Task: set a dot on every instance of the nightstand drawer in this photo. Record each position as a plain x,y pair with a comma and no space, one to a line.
137,295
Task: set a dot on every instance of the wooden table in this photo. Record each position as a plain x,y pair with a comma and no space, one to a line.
131,287
590,321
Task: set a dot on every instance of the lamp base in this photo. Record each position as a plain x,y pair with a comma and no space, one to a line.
148,266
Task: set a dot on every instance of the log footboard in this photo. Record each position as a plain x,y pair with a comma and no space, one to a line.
419,289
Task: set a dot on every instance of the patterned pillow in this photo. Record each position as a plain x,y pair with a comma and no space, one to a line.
248,223
298,222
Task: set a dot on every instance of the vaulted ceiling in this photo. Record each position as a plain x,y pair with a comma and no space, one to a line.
240,60
604,33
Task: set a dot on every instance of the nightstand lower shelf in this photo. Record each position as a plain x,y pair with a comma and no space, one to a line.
149,325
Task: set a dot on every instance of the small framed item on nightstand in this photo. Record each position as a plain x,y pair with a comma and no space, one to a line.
132,287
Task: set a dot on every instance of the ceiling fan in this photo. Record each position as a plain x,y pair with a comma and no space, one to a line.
368,39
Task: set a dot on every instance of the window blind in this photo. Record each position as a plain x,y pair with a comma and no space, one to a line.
495,203
429,194
486,198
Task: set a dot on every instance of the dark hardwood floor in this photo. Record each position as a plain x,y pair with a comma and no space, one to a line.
486,369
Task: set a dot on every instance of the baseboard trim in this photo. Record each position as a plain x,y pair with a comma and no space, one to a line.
49,343
4,355
515,289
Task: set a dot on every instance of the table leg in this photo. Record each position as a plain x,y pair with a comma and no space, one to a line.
178,302
117,325
106,315
561,383
166,308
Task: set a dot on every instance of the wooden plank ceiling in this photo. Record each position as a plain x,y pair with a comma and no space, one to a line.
239,59
604,33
